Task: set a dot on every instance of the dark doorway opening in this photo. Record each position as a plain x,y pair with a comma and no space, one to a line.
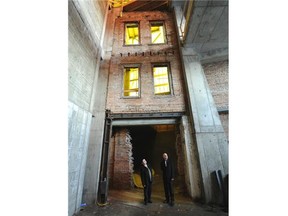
143,142
150,142
130,144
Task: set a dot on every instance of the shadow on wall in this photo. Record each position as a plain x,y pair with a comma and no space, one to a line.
219,189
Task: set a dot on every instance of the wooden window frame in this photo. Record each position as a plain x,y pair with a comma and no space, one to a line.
125,27
169,74
124,67
152,23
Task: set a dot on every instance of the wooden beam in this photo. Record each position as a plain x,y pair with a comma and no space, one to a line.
159,5
136,5
187,19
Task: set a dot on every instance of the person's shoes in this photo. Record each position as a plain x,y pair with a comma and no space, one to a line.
149,201
171,203
165,201
145,203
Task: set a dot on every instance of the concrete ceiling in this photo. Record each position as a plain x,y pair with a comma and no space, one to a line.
208,27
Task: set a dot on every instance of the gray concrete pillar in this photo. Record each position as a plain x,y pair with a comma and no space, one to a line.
96,135
192,169
208,132
98,105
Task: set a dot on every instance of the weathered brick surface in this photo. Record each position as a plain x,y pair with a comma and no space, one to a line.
179,148
121,160
145,54
217,78
218,81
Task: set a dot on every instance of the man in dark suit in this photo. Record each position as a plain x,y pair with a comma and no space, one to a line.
147,179
168,178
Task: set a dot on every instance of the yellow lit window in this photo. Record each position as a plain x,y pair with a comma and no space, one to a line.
157,33
131,88
131,34
161,80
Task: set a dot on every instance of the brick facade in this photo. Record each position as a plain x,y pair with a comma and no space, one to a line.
217,78
145,54
218,81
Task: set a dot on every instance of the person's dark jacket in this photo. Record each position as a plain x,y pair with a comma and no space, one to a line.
168,172
145,175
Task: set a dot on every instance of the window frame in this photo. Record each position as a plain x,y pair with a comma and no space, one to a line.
154,22
131,23
123,68
169,74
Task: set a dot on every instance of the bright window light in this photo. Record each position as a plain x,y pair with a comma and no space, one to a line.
131,34
131,88
157,33
161,80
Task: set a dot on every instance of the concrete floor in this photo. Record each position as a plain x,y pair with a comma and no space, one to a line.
130,203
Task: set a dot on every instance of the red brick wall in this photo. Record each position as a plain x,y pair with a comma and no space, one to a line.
121,160
217,78
218,81
145,54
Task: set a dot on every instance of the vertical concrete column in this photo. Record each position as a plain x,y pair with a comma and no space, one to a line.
96,135
192,170
208,132
98,105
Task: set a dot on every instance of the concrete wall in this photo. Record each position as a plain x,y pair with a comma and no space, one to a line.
79,121
93,16
86,19
225,123
145,54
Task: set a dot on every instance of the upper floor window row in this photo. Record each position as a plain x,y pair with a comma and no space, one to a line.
157,33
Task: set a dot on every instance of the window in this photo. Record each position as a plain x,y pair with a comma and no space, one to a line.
161,80
131,33
131,82
157,32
